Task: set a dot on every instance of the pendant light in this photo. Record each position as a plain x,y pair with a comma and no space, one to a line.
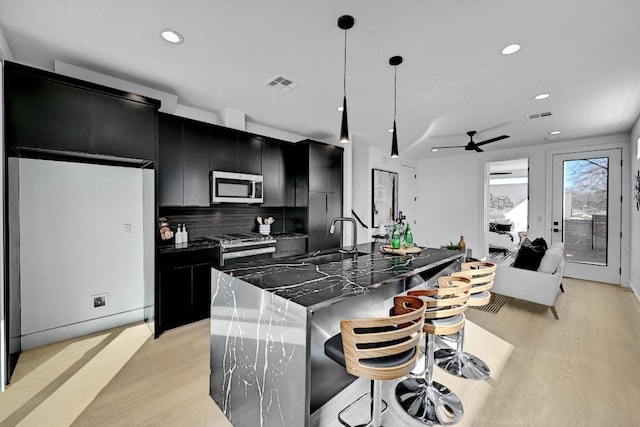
394,61
345,22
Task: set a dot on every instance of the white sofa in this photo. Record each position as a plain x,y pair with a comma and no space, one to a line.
541,287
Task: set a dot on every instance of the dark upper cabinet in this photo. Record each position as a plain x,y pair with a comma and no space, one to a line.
42,113
325,168
249,154
170,162
223,150
235,151
48,111
273,173
183,162
195,151
122,127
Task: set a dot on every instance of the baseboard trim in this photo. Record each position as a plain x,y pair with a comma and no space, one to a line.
38,339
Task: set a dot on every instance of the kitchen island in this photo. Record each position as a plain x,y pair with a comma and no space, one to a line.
269,322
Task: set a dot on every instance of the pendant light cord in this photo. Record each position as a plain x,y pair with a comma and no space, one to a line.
344,74
395,89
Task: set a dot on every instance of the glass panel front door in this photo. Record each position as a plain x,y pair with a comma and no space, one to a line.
586,213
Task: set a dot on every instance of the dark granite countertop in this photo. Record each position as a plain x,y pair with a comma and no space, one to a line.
280,236
316,286
193,245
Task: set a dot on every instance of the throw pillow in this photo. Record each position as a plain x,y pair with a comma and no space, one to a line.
529,256
503,227
551,260
493,227
540,242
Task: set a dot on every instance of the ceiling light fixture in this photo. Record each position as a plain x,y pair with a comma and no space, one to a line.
172,36
390,130
340,108
541,96
434,150
395,61
345,22
554,132
511,49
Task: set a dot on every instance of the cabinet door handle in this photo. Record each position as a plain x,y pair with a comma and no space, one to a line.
326,203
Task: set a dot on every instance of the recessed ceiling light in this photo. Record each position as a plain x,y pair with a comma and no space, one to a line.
541,96
434,150
554,132
340,108
511,49
172,36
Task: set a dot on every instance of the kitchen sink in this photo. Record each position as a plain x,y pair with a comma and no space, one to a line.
325,258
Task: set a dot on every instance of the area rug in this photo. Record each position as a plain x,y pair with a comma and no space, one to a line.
497,301
499,255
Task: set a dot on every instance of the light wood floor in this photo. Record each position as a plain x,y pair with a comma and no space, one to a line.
581,370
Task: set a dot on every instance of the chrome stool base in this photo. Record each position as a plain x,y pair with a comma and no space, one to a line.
432,405
353,406
463,365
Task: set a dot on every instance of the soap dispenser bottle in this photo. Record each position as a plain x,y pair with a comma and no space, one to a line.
185,235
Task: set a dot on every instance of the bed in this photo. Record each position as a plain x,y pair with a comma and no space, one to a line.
502,237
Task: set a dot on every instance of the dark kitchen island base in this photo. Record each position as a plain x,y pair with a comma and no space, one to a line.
269,322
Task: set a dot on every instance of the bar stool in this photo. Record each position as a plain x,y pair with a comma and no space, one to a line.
379,349
457,361
420,396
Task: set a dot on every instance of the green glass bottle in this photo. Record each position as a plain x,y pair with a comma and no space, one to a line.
408,237
395,238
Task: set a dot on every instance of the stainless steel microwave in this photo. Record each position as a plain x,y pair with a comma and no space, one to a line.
231,187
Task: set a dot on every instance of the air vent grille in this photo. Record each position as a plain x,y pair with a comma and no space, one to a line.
540,115
283,83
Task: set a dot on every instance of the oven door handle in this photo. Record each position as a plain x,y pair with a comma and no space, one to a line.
248,252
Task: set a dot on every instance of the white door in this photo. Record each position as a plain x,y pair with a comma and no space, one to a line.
586,213
407,192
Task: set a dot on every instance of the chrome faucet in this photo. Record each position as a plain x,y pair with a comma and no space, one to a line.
354,231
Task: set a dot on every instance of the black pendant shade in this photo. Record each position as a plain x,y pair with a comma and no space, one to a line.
344,129
345,22
394,61
394,141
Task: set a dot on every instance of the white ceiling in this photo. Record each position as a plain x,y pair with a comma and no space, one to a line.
585,53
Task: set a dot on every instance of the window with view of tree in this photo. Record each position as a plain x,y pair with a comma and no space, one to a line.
585,209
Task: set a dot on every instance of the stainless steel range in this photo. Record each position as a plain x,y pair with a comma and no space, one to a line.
240,247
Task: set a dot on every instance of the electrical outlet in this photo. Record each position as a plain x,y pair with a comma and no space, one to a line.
100,300
126,228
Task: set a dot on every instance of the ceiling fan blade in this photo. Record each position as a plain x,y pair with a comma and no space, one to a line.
479,150
497,138
500,173
451,146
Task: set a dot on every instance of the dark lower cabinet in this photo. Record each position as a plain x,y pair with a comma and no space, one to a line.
185,295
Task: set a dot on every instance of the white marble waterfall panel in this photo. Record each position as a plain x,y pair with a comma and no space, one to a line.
258,355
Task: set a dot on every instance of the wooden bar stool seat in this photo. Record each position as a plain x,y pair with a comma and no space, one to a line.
421,397
379,349
456,361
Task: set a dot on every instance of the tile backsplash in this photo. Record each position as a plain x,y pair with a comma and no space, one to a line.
209,221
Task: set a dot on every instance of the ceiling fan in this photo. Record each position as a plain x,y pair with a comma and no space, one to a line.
472,145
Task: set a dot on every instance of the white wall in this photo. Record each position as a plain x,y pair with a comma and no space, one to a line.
634,246
73,245
451,193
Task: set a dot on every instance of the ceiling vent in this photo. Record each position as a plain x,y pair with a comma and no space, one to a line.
282,83
540,115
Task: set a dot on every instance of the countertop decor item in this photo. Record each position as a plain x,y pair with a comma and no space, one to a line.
411,250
